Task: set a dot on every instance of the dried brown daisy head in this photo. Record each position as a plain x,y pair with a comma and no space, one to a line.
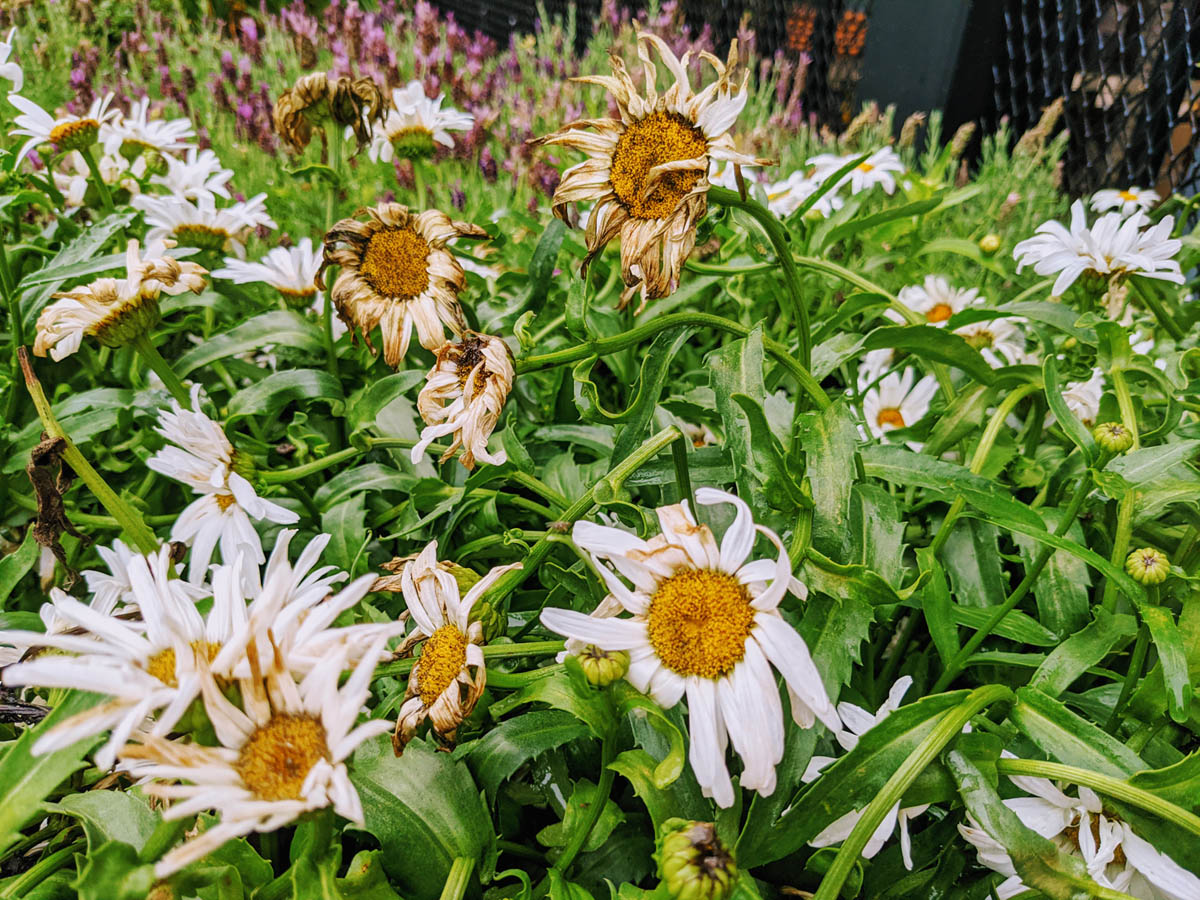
316,98
397,273
648,171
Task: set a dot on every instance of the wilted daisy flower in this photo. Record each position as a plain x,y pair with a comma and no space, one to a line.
197,176
896,402
464,394
784,197
706,622
282,752
648,170
115,310
1112,249
936,299
10,71
415,124
134,134
205,461
201,224
1000,341
319,98
395,272
880,168
449,676
147,667
858,722
1126,201
1116,857
290,270
67,133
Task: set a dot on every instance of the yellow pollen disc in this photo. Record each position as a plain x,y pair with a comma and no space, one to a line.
1127,196
699,622
162,664
442,659
74,131
865,167
653,140
939,312
890,416
278,756
224,501
396,263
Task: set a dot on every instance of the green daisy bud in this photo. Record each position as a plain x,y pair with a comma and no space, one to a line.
243,464
128,322
1148,566
989,243
413,143
693,862
1113,437
603,667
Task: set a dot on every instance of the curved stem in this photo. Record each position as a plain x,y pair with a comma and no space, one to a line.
459,878
1125,404
160,367
1120,548
701,268
596,809
1136,661
282,476
1165,319
106,200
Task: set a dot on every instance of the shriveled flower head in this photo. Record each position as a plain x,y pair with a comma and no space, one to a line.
936,299
201,223
137,133
67,133
464,395
290,270
449,676
395,272
116,310
415,124
282,752
705,621
200,455
319,97
648,170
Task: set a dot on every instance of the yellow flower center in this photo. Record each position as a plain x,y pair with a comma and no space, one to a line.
224,501
75,135
278,756
654,140
1127,196
699,622
162,664
939,312
890,416
442,659
396,263
866,167
205,237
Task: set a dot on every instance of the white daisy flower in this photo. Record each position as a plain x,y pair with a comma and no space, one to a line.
706,622
133,134
858,722
72,182
67,133
784,197
290,270
10,71
880,168
147,667
449,676
201,224
936,299
1115,856
197,176
1113,248
414,124
896,402
205,461
1000,341
874,366
282,753
1083,398
1126,202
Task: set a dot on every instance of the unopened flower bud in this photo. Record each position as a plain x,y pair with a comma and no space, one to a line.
1148,566
962,138
694,863
1113,437
603,667
908,131
989,243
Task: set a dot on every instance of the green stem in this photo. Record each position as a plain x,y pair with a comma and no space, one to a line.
1136,661
1031,575
149,353
16,326
41,870
605,346
312,467
335,163
106,200
1120,548
418,184
599,801
701,268
130,520
683,478
947,728
780,240
91,519
1125,404
1165,319
459,878
551,326
1103,784
540,488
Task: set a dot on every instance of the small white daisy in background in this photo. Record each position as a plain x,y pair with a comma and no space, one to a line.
858,722
204,460
878,169
414,124
449,676
784,197
197,176
290,270
1083,398
704,621
1116,857
72,176
936,299
282,752
201,224
134,133
10,71
1115,247
1000,341
874,366
1126,202
147,666
896,402
66,133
